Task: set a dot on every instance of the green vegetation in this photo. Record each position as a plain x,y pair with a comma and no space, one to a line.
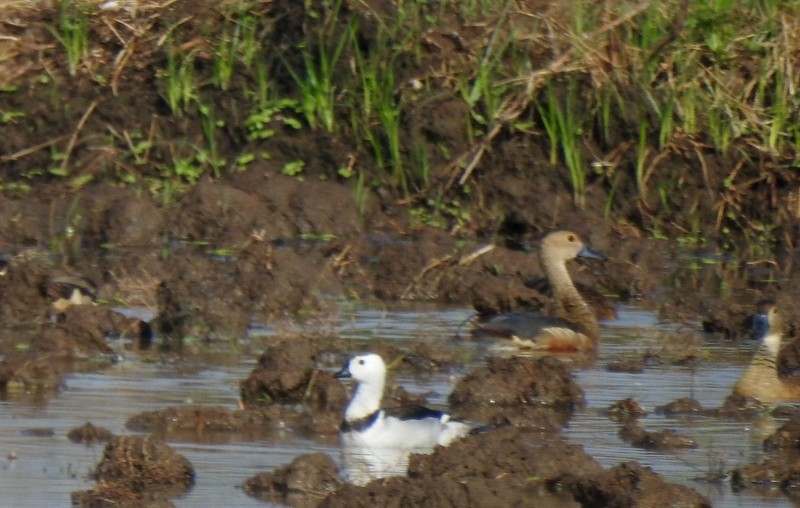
180,85
316,81
562,122
72,31
657,97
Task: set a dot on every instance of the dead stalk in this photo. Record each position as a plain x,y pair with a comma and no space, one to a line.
33,149
74,137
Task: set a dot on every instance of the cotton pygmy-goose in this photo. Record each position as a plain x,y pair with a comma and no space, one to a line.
762,380
576,328
412,427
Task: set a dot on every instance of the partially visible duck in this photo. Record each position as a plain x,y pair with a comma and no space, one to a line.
762,380
759,321
409,427
576,328
67,290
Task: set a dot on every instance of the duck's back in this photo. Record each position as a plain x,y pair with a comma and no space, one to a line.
414,428
535,331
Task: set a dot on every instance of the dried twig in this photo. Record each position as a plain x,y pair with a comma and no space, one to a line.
310,386
33,149
472,256
74,137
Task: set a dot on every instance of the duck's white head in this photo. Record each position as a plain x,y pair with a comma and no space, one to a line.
370,372
367,368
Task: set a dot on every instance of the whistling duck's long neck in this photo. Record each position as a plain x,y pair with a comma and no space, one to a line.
575,309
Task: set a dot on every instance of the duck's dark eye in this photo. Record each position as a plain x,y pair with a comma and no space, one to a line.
571,238
361,362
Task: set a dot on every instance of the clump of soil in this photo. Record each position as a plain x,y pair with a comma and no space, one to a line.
202,423
34,373
740,407
768,473
662,440
214,424
630,366
89,434
683,406
786,437
625,410
630,485
286,374
520,391
301,484
258,218
519,380
137,470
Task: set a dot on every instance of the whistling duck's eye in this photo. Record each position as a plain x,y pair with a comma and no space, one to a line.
571,238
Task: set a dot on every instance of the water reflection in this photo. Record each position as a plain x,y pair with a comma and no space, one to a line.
362,463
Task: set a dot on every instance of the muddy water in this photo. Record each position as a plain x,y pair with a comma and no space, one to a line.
49,467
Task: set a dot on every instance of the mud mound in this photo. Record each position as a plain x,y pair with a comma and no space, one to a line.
301,484
517,380
215,424
21,297
89,434
518,391
786,437
199,422
137,470
768,473
625,410
630,485
505,467
661,440
286,374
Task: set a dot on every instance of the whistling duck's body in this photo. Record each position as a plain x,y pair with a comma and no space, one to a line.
576,328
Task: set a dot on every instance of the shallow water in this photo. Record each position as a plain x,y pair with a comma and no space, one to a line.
47,469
